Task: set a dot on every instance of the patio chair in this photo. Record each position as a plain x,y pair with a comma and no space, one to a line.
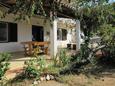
27,50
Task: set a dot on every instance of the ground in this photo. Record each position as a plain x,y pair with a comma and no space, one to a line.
17,63
73,80
16,66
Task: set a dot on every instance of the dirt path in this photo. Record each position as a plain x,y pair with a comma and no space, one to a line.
82,81
72,80
52,83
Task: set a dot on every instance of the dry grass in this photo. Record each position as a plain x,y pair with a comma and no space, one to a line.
82,80
70,80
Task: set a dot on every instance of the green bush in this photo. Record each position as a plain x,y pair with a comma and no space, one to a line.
64,59
4,57
107,33
35,67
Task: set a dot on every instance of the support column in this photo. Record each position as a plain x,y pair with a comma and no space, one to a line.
53,38
78,37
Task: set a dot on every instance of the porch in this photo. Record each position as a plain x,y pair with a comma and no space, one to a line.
18,58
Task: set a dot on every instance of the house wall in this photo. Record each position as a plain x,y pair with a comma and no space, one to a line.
24,33
68,24
63,43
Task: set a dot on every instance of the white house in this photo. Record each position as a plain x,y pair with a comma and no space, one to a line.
12,33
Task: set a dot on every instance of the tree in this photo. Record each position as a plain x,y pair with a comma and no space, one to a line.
87,11
96,18
28,8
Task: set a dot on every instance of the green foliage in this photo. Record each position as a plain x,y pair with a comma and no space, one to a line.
95,19
93,16
107,33
31,71
28,8
4,57
25,9
48,8
64,59
83,54
107,46
55,61
35,67
51,69
3,68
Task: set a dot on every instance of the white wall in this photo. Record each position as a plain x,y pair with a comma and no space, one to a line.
10,46
62,23
24,33
63,43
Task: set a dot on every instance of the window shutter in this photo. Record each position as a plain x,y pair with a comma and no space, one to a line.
12,30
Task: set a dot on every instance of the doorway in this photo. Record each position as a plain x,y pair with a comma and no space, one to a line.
37,33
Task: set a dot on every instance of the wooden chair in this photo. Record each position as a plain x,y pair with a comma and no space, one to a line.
31,48
27,50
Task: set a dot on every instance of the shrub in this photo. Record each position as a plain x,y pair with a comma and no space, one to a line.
35,67
107,33
4,57
54,70
64,59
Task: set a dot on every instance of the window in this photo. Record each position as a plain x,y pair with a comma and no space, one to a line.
64,34
3,32
8,32
61,34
